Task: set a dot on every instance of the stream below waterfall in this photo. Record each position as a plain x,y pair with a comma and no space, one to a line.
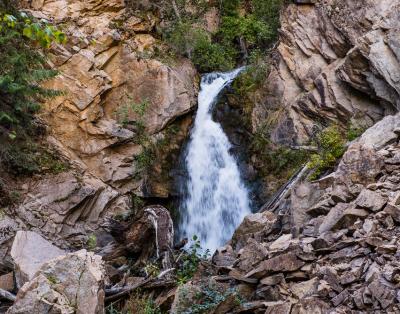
216,199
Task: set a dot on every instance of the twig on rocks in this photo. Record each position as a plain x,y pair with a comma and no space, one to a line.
7,295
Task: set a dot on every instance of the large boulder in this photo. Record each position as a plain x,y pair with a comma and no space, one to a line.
256,226
29,252
71,283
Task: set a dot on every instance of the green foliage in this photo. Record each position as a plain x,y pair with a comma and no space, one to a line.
194,43
269,12
209,298
254,31
113,309
137,304
23,41
240,32
151,270
23,68
229,7
52,279
190,261
331,146
354,132
250,81
28,158
208,56
278,161
92,242
124,112
145,159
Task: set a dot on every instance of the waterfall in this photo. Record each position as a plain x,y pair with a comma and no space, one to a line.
216,199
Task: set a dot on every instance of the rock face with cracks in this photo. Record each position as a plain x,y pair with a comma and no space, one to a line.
110,90
336,62
343,256
71,283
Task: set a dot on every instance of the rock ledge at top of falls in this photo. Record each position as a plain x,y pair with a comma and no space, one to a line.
336,62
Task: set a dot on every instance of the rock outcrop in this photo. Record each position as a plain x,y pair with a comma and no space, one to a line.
29,252
343,256
116,93
336,62
71,283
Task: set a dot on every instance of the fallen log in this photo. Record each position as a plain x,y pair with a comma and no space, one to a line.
7,295
117,293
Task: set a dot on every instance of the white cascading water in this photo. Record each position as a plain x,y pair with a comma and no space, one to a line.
217,200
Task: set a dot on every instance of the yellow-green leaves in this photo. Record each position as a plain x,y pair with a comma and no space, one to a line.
39,32
331,146
44,34
9,20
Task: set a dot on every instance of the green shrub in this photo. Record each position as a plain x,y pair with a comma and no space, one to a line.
92,242
331,146
196,44
278,161
23,69
23,41
190,261
27,158
354,132
239,33
145,159
209,298
254,31
208,56
269,12
141,304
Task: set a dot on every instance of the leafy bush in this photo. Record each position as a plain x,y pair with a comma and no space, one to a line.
137,304
254,31
209,298
196,44
23,69
92,242
269,12
354,132
331,146
22,44
27,158
278,161
190,261
239,33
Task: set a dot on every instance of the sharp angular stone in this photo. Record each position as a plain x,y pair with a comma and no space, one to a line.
370,200
29,252
71,283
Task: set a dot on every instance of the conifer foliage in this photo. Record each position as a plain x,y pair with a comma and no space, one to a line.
23,44
23,68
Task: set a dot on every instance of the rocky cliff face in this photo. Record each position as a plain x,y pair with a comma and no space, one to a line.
339,252
115,93
336,62
329,246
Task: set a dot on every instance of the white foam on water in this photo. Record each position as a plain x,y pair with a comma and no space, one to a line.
217,200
